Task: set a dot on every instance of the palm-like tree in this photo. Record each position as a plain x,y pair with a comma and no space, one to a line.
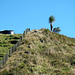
51,19
57,30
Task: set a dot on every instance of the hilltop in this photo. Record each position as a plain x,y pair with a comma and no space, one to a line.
42,52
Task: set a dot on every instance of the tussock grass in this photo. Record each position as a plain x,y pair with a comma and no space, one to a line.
6,43
43,52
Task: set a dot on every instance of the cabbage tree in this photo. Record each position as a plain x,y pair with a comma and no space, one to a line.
51,20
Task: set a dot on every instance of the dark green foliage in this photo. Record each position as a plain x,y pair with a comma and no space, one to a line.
57,30
51,19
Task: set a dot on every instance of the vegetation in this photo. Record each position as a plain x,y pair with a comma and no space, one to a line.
42,52
51,19
6,42
57,30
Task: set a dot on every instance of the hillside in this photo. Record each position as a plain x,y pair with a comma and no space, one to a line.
42,52
6,42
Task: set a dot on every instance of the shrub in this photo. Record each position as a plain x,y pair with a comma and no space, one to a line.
57,30
46,31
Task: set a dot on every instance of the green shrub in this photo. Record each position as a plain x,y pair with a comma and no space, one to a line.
46,31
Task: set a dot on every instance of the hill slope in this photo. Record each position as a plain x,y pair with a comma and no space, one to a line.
6,42
42,52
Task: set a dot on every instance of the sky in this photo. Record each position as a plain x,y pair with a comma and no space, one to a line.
18,15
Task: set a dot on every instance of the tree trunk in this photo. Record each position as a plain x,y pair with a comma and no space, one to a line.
51,26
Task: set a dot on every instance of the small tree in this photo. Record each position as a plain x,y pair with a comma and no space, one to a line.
57,30
51,19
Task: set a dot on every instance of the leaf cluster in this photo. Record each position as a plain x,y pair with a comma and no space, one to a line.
51,19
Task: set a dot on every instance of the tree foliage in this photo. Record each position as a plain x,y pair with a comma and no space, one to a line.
57,30
51,19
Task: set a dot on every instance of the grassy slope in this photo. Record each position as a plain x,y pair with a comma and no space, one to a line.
43,52
6,42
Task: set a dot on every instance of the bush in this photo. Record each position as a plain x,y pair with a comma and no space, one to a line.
46,31
57,30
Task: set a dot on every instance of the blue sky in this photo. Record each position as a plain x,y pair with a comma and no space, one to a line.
34,14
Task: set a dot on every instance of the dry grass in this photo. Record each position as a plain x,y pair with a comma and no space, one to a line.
43,52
